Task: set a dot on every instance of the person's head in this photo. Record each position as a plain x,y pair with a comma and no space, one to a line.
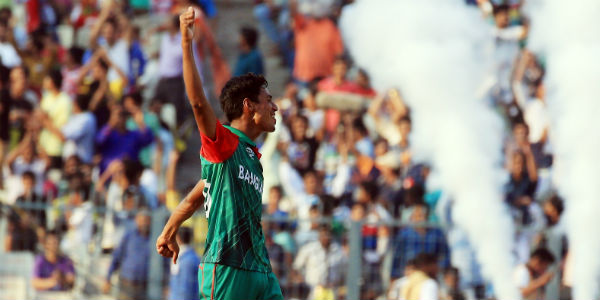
553,209
367,192
109,31
4,30
325,235
451,277
18,81
5,14
133,171
299,127
427,263
28,179
185,235
247,98
501,16
358,211
100,70
275,194
340,68
540,260
419,213
310,96
359,128
142,221
248,38
517,166
405,126
132,102
414,195
362,79
121,115
409,268
520,132
51,243
53,81
381,147
311,183
74,56
82,102
71,164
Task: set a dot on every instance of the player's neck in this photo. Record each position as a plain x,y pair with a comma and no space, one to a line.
250,130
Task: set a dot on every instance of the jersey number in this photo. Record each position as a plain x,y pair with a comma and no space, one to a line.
207,197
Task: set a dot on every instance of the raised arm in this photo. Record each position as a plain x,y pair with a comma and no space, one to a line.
166,245
204,114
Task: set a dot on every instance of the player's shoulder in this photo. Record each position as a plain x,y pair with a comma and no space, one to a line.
222,147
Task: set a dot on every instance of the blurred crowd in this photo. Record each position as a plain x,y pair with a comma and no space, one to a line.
94,119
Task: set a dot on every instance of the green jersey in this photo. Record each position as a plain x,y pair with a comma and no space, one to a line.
233,180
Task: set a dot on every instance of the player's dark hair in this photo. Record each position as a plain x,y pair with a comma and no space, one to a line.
186,235
136,97
250,35
56,78
543,255
236,90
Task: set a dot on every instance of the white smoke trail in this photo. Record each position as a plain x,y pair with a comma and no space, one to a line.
434,52
568,34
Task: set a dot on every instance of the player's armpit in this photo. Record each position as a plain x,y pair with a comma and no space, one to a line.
222,147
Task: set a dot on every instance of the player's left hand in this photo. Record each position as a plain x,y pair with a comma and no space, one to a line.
167,247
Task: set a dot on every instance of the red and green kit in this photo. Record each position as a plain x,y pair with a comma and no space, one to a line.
235,254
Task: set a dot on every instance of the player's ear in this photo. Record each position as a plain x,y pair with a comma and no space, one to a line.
249,105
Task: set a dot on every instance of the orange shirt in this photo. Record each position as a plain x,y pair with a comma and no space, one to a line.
317,43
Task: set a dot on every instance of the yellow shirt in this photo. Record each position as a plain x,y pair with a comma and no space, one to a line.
58,108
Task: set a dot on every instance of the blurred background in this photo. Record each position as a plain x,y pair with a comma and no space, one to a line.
98,145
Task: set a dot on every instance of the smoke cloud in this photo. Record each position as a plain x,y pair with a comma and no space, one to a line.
435,51
568,35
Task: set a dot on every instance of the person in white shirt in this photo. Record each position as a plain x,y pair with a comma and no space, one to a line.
8,54
533,276
397,285
421,283
321,262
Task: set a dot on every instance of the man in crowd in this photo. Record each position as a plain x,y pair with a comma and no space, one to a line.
184,274
52,271
250,59
532,277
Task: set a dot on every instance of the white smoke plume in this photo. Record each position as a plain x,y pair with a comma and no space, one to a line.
567,34
434,51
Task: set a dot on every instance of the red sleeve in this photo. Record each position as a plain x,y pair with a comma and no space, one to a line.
222,147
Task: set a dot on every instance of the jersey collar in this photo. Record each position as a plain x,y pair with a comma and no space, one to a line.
241,135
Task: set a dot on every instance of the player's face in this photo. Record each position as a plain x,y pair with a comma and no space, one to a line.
264,116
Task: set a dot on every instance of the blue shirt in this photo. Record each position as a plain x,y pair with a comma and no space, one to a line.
118,145
132,257
251,62
81,129
137,62
183,283
408,243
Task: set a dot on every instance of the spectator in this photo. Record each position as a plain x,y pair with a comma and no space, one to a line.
132,258
78,220
132,102
57,106
170,86
532,277
363,84
40,56
337,82
27,157
450,290
321,262
70,71
115,46
31,202
318,42
8,54
315,115
421,284
301,150
53,271
411,241
21,234
553,209
137,59
397,285
80,130
278,257
184,275
250,59
115,141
